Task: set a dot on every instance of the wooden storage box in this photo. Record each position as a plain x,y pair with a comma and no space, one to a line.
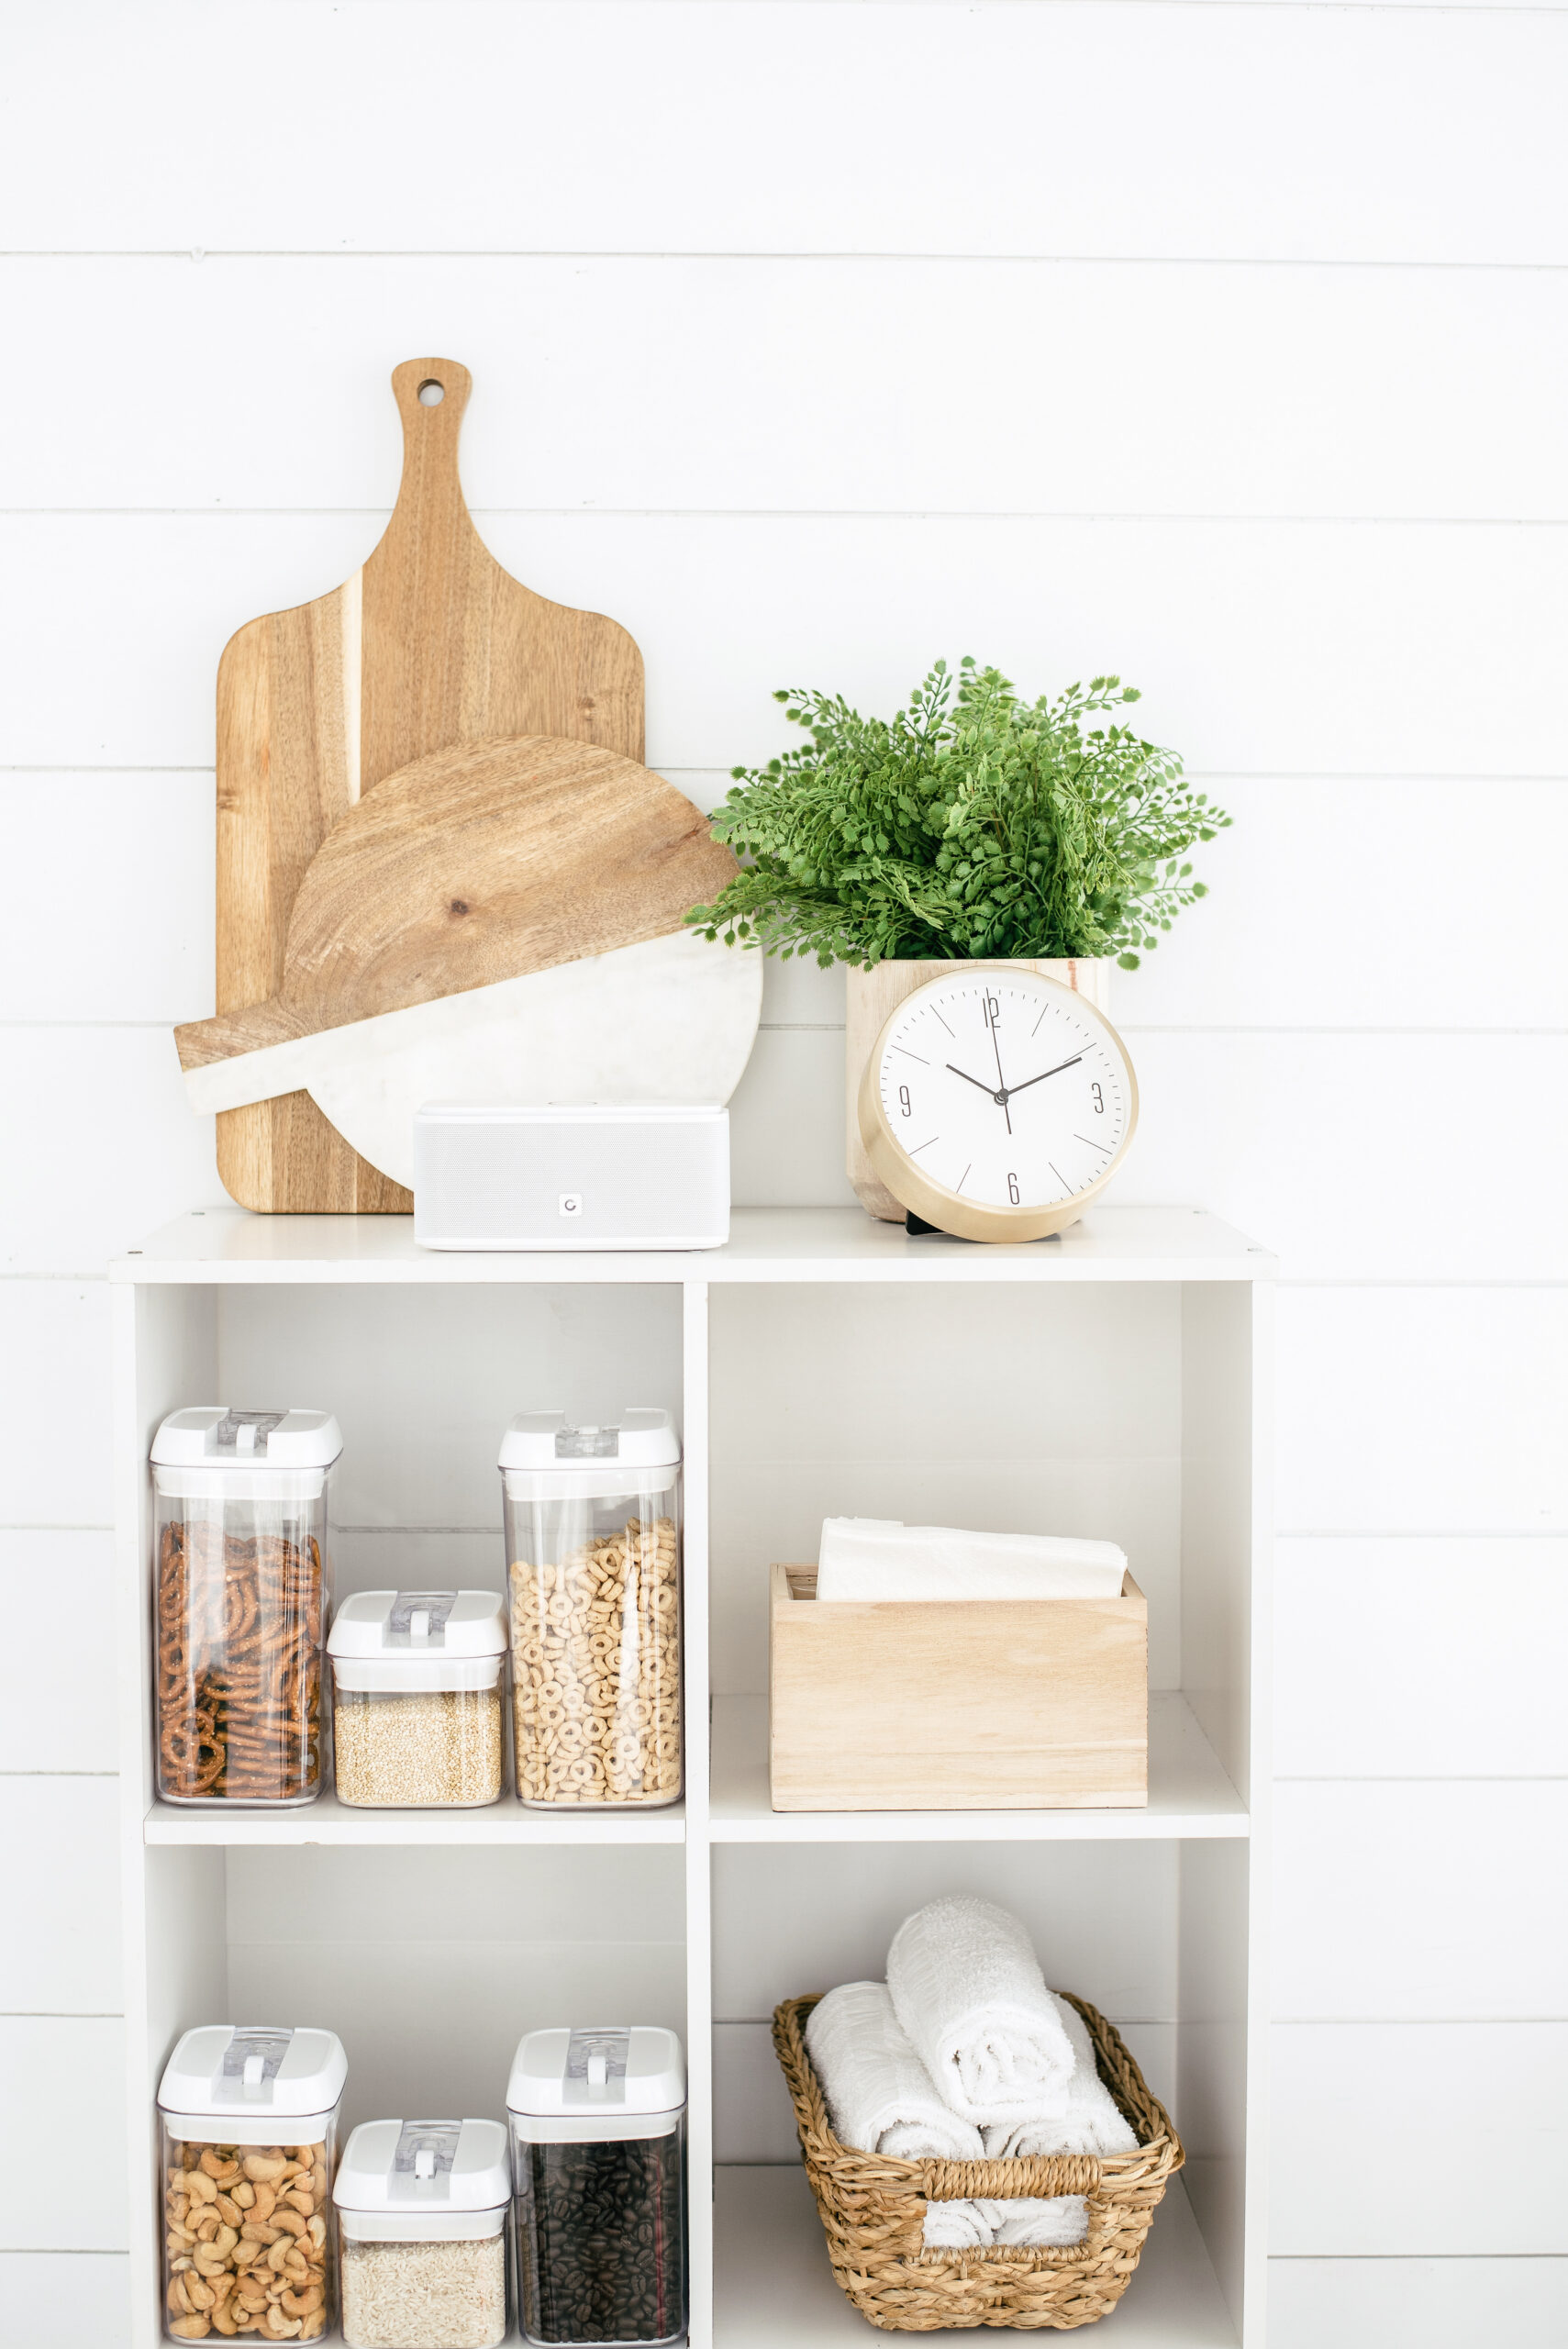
974,1705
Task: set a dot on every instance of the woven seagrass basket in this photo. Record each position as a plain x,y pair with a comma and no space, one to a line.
873,2209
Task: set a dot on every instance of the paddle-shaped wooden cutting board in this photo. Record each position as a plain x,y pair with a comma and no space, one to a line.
428,644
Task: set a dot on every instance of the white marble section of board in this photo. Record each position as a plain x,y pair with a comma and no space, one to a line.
670,1020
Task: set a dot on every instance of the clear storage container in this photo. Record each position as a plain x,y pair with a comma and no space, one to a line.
247,2124
593,1517
599,2121
417,1698
422,2234
242,1588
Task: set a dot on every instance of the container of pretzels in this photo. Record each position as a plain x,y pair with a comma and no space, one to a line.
248,2127
241,1593
593,1520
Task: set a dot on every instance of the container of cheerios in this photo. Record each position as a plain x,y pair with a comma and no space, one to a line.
592,1523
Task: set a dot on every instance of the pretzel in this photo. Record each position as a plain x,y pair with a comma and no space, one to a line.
240,1621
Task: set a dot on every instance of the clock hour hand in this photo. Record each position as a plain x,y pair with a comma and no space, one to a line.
998,1098
1048,1072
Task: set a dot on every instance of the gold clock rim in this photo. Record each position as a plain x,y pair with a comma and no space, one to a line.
933,1202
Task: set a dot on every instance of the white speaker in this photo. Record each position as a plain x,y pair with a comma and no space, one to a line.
642,1176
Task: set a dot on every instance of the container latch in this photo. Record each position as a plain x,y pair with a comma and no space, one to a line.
595,2066
421,2163
251,2061
417,1618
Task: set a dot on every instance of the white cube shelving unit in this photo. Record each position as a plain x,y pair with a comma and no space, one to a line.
1114,1381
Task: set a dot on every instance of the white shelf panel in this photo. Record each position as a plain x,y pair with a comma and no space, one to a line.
227,1244
773,2289
1189,1795
332,1822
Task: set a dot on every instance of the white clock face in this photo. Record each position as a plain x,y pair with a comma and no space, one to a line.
1005,1090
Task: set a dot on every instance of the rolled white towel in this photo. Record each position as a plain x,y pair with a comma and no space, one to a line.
881,2095
878,1558
1028,2222
967,1990
1093,2122
962,2226
1053,2223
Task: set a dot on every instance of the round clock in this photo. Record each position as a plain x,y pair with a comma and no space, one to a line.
996,1103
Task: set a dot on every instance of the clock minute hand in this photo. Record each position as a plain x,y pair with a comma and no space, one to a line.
1048,1072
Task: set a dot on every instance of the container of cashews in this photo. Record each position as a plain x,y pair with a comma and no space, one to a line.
592,1524
248,2129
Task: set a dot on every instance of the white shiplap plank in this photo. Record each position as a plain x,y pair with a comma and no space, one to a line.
53,1576
113,1098
1416,1902
1257,953
1451,2302
1230,627
1391,2140
1426,1658
786,1123
1449,408
58,2299
54,1403
63,1871
139,944
1362,1157
68,2075
778,127
1422,1408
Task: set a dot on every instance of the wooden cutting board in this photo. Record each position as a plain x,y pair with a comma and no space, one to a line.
481,862
428,644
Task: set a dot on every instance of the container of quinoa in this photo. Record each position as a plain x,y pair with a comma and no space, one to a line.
418,1683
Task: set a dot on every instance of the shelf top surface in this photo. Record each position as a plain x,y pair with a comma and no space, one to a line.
229,1244
334,1823
1189,1795
774,2290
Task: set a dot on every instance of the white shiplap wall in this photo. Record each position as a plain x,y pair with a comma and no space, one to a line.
1222,345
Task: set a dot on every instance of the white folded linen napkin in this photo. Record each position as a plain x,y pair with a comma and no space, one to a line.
1030,2223
1093,2122
878,1558
967,1990
881,2097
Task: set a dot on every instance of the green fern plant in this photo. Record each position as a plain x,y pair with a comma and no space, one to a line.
973,823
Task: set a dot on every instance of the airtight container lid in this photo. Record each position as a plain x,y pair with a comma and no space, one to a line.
597,2080
253,2083
213,1436
213,1453
403,2181
547,1456
391,1640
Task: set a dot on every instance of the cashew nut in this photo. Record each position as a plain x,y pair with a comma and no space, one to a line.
263,2168
302,2303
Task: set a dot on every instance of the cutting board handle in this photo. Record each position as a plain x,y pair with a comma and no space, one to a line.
430,428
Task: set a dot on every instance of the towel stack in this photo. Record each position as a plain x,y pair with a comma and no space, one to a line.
963,2055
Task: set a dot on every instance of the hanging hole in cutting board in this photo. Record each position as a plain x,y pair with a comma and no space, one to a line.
431,393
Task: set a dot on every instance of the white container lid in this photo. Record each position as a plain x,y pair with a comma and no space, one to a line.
400,2181
392,1641
407,1626
548,1441
263,2078
211,1435
596,2081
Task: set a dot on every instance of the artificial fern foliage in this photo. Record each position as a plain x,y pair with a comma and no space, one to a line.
971,823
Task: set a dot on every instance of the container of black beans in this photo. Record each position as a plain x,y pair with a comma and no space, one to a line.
598,2124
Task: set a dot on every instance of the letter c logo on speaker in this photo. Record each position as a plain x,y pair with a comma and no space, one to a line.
571,1203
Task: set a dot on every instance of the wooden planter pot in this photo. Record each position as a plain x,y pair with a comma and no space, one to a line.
873,995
